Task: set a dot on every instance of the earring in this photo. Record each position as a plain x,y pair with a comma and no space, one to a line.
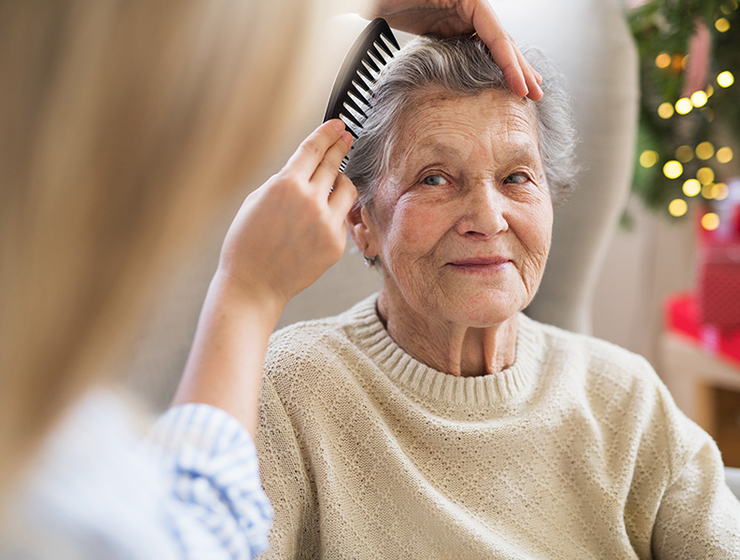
369,261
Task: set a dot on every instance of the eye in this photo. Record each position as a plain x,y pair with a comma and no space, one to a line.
516,178
434,180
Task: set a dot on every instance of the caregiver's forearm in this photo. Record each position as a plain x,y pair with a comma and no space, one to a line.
224,368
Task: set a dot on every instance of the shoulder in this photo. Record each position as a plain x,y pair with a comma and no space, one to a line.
618,387
595,358
307,345
621,390
310,346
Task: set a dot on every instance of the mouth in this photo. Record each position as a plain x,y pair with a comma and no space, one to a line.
481,264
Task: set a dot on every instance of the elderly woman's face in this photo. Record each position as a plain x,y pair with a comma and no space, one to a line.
463,221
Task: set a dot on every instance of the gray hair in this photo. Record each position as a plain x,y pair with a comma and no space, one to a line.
464,66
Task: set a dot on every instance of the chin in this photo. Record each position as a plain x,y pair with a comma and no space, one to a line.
484,310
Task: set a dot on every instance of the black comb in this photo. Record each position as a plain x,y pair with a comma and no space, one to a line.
352,90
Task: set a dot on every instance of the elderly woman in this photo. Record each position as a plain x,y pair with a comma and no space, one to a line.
435,420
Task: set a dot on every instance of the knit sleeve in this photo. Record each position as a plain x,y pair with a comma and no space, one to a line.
699,517
218,508
285,481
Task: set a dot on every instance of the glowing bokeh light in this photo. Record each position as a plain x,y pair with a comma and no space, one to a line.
707,191
725,79
705,150
665,111
648,158
684,106
724,154
684,154
710,221
663,60
677,207
672,169
722,25
720,191
691,187
699,98
705,175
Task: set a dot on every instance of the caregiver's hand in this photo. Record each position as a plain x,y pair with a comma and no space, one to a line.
291,229
286,234
455,17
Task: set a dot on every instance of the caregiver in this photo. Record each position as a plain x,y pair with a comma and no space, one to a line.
125,127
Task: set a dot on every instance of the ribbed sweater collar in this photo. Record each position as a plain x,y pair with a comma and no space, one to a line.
511,384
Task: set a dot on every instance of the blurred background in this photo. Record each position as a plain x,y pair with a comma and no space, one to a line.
645,255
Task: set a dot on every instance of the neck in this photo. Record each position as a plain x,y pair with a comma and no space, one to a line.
451,348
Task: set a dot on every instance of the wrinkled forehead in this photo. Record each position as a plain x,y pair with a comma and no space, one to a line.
439,119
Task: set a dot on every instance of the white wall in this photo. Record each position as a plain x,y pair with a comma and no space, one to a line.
644,265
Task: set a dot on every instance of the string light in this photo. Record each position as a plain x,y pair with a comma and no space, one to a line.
710,221
705,150
724,154
672,169
699,98
684,106
707,191
677,207
665,111
710,90
691,187
722,25
725,79
705,175
648,158
663,60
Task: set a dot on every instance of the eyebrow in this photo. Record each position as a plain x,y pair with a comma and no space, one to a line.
517,150
436,148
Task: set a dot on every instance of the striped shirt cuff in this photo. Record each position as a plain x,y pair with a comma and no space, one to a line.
215,473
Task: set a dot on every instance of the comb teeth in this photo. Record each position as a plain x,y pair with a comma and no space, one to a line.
356,104
352,93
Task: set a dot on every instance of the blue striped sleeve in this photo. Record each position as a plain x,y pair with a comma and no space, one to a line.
218,499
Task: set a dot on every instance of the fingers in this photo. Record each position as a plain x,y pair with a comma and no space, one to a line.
343,196
313,149
328,168
531,77
523,80
520,76
502,47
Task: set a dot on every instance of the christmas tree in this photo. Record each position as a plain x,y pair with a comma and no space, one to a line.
690,105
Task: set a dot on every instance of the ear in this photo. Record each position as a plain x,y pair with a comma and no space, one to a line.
363,230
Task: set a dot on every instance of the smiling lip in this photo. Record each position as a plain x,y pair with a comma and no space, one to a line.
480,263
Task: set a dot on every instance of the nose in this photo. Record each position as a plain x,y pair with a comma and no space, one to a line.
483,212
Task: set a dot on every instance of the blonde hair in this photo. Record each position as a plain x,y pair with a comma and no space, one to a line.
124,124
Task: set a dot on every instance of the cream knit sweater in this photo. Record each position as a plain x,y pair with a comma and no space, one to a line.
576,451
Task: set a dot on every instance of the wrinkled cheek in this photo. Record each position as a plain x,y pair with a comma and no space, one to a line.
536,270
414,230
422,225
409,248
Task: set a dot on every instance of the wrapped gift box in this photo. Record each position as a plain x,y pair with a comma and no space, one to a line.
719,285
682,317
